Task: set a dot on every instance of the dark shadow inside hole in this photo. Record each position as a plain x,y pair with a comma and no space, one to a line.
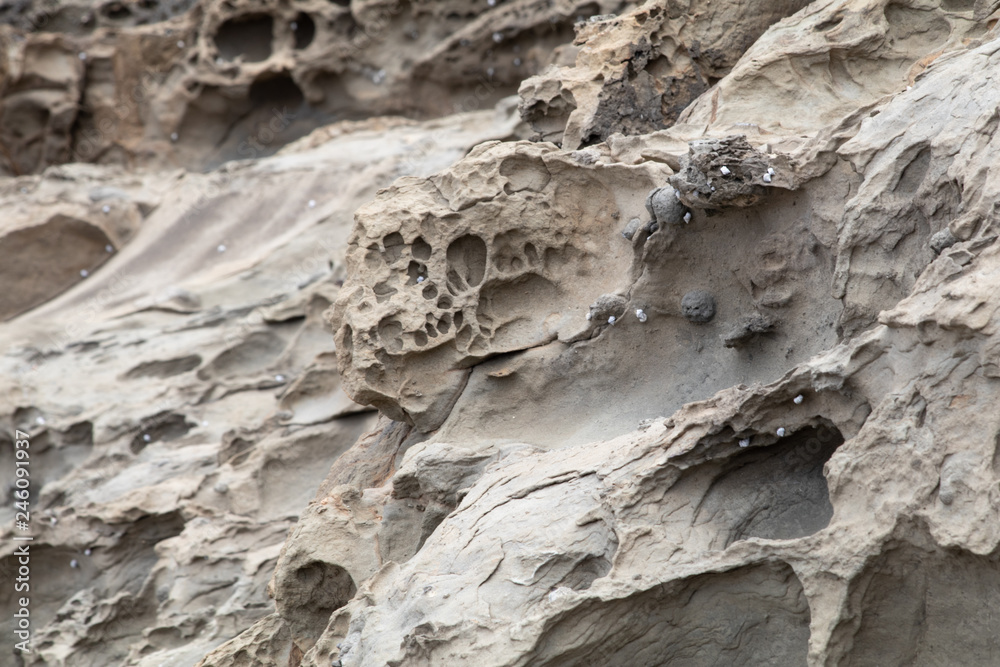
276,90
304,29
775,493
248,36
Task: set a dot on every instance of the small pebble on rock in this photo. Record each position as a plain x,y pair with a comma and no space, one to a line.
698,306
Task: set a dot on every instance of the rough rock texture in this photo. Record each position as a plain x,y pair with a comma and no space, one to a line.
182,397
836,480
567,470
196,83
636,73
497,255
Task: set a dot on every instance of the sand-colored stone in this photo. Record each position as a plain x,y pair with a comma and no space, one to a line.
809,476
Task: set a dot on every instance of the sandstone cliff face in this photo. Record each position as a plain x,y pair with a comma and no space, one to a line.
717,385
196,83
182,396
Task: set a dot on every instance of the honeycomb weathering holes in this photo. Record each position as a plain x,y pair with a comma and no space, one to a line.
248,36
466,262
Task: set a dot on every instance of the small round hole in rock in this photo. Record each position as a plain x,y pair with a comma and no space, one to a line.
421,249
277,90
304,29
116,11
248,36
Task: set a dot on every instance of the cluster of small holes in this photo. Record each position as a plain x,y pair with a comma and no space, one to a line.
466,258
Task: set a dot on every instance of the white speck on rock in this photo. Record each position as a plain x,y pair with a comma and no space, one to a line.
74,564
87,552
725,171
498,37
687,217
745,442
781,432
559,593
174,136
109,248
589,316
83,56
279,378
39,420
767,178
420,279
221,248
798,400
612,319
84,273
106,208
641,314
146,437
180,43
312,203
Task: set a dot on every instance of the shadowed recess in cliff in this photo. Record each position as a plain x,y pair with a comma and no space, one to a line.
752,615
775,493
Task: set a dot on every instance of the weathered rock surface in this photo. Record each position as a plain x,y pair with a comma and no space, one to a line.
182,397
195,83
804,514
575,463
636,73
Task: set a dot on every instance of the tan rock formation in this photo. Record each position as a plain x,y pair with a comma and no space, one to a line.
637,72
714,391
182,397
755,526
196,83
